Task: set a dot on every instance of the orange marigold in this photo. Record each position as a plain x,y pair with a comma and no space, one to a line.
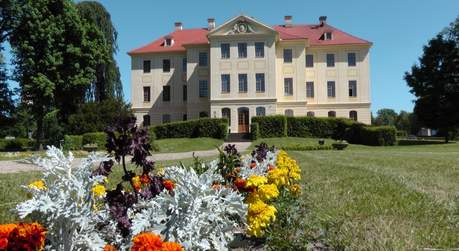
171,246
5,231
146,242
109,247
169,184
240,183
145,179
27,237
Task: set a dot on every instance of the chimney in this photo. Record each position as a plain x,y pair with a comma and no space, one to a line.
178,26
323,20
288,21
211,23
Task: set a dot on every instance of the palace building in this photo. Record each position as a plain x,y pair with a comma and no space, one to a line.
244,68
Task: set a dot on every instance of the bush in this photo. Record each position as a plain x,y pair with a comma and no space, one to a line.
99,138
412,142
254,131
271,126
206,127
300,147
371,136
318,127
17,144
73,142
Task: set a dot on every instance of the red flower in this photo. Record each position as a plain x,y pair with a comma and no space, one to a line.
169,184
153,242
145,179
253,164
171,246
240,183
26,237
271,167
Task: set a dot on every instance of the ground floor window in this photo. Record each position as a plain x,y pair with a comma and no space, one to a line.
261,111
353,115
203,115
332,114
310,114
226,113
146,120
185,117
166,118
289,113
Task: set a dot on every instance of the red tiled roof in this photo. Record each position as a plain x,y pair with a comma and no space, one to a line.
199,36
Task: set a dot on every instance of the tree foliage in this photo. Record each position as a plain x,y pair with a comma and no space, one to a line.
6,98
107,83
386,117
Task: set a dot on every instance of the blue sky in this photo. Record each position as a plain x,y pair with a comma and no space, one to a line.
398,29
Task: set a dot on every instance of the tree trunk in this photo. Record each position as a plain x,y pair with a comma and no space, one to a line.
446,136
40,131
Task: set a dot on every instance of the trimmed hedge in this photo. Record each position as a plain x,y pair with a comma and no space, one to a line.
205,127
412,142
271,126
99,138
318,127
73,142
254,131
18,144
371,136
300,147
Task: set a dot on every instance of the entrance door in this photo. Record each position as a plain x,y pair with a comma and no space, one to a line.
243,120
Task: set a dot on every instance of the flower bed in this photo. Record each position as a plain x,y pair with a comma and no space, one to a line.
200,207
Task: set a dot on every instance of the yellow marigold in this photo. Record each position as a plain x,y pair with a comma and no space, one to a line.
255,181
278,176
171,246
295,189
259,217
98,190
146,241
136,182
268,191
38,184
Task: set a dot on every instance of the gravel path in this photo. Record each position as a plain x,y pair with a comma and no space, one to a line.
13,166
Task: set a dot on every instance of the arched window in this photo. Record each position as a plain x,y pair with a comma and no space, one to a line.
146,120
226,113
310,114
261,111
203,115
353,115
289,113
331,114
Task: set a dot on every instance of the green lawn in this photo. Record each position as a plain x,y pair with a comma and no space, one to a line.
290,141
187,144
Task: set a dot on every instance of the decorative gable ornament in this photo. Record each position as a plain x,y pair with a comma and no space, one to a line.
241,27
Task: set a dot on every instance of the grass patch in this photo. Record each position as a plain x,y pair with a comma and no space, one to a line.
187,144
291,143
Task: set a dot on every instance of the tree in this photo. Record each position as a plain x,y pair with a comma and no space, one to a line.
55,54
435,83
108,82
6,98
385,117
403,121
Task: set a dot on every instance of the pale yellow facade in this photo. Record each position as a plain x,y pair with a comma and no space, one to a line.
273,99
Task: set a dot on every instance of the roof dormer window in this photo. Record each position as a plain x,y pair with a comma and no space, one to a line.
327,36
168,42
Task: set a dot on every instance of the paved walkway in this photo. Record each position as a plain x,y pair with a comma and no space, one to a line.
13,166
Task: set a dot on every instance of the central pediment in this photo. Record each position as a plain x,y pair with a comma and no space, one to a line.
242,25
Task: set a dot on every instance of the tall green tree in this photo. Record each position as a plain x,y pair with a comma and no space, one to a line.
435,83
55,56
385,117
107,84
6,98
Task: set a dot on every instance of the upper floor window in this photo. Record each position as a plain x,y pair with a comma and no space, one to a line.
146,94
185,93
225,50
331,89
203,59
351,59
288,55
260,111
146,120
166,65
259,50
166,118
242,50
353,115
243,83
331,114
310,114
309,60
184,63
225,83
330,60
203,88
260,82
352,88
288,86
167,93
146,66
310,89
288,113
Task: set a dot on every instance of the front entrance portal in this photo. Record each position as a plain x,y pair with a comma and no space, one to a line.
243,120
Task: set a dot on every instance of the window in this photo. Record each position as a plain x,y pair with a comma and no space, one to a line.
353,115
146,120
242,50
168,42
225,83
166,65
184,62
351,59
260,111
226,113
166,118
203,59
288,55
331,89
327,36
309,61
185,93
166,93
259,50
352,88
310,89
288,86
146,94
225,50
331,114
184,117
242,82
203,115
260,82
330,60
146,66
288,113
310,114
203,88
